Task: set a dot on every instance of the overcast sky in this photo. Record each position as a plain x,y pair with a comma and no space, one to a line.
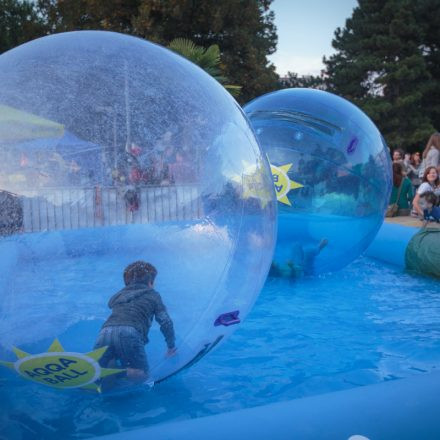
305,31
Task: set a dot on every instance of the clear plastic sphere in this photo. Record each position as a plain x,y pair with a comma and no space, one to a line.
332,175
114,150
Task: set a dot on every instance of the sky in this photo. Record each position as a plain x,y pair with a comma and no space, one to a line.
305,31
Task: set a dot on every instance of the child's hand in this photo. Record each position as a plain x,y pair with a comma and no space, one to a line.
171,352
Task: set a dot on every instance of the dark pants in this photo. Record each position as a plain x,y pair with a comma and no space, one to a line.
125,348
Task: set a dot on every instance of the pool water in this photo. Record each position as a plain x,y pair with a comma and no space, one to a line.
366,324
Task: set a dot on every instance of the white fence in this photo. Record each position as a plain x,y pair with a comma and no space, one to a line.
72,208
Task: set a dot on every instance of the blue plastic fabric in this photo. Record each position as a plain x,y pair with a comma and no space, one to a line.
332,177
402,409
391,243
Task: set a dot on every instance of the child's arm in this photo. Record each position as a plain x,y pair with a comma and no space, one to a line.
166,324
416,205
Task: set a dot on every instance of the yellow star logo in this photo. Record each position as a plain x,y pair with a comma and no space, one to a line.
255,186
282,182
253,181
60,369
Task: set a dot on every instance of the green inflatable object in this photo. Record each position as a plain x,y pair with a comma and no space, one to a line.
423,253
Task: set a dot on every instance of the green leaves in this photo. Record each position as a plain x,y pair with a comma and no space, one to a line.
19,23
384,64
242,32
208,59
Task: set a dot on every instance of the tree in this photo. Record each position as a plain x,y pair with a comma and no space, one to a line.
242,29
428,17
208,59
292,80
385,64
19,23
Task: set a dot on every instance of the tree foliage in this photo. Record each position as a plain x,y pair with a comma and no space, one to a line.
208,59
242,29
388,63
19,22
292,80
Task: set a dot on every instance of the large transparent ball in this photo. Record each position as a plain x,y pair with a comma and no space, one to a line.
114,150
331,173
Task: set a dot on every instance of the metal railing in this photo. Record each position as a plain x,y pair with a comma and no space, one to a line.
73,208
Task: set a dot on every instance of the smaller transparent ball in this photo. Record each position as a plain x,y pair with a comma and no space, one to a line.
332,175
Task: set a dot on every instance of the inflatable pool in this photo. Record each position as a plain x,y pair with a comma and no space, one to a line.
112,157
318,377
403,409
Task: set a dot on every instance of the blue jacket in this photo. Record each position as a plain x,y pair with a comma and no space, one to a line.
433,215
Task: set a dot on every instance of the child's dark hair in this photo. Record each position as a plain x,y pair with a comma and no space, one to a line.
430,197
139,271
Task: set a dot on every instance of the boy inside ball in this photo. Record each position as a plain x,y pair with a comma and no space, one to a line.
125,332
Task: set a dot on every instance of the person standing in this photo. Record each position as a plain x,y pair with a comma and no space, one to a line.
398,156
431,154
413,170
401,193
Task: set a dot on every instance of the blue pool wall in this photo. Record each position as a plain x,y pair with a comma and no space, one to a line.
390,244
404,409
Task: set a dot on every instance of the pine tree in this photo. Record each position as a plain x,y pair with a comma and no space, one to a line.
428,18
292,79
382,65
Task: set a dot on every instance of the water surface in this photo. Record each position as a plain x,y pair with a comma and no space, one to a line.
366,324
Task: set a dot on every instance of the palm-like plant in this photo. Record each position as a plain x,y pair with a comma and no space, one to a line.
208,59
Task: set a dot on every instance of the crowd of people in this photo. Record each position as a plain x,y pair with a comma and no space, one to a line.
416,182
170,161
137,167
167,161
167,167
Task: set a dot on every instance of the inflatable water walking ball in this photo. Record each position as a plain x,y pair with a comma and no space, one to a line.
115,150
332,175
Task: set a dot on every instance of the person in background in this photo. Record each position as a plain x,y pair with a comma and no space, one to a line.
406,163
413,170
431,154
300,260
398,155
400,181
431,213
430,183
181,171
128,175
168,158
73,173
11,213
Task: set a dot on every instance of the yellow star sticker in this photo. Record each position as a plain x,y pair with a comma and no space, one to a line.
253,180
282,182
255,186
61,369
